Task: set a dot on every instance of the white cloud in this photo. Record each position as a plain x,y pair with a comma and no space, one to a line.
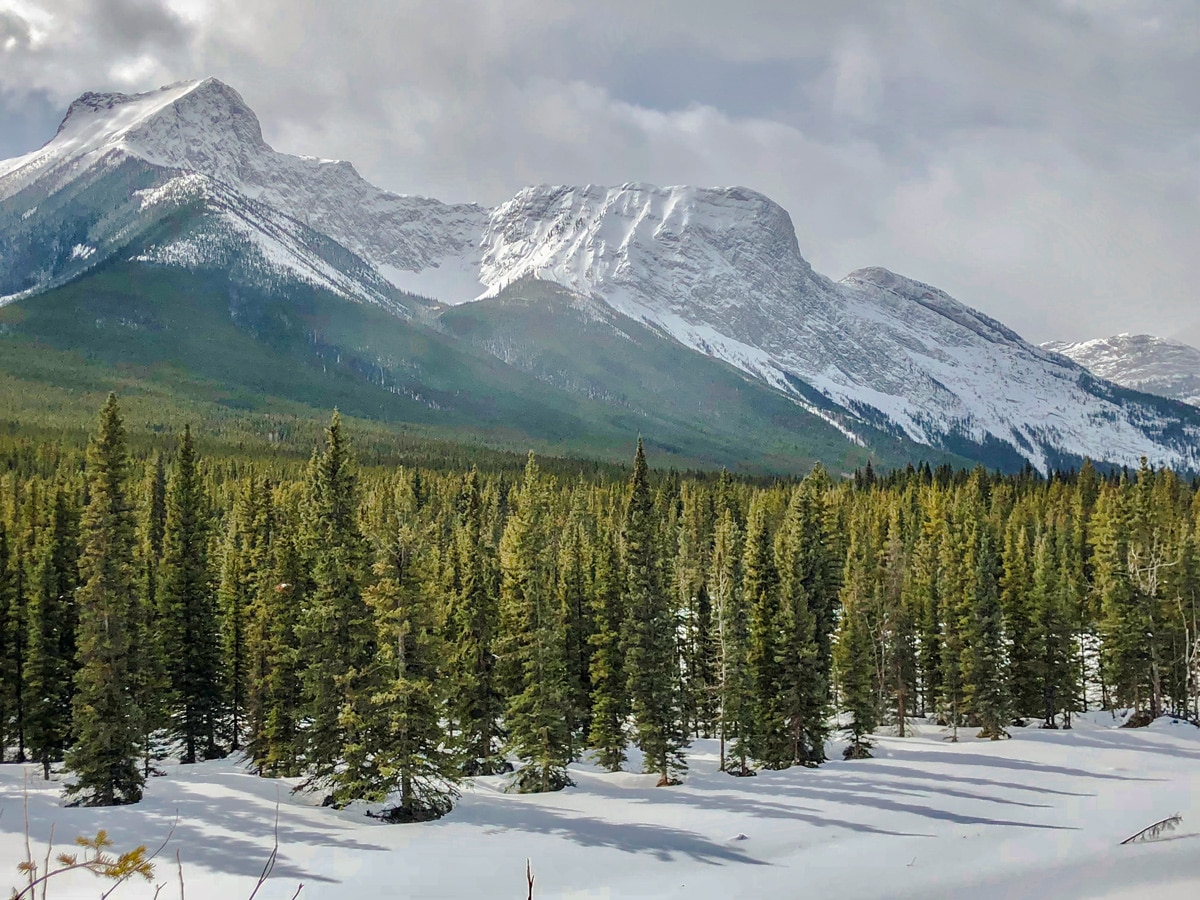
1040,161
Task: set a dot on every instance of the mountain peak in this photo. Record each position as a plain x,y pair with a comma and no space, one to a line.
1143,362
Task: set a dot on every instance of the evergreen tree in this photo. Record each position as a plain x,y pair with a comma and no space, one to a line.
807,586
336,632
242,556
50,661
573,589
772,743
610,707
9,625
1016,605
105,718
733,639
406,740
650,659
276,747
476,705
854,671
152,687
1051,629
188,610
535,642
984,676
955,622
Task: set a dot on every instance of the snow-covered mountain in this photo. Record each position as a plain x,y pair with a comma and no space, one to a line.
1142,362
182,176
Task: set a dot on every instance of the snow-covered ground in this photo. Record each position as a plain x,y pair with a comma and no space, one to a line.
1042,814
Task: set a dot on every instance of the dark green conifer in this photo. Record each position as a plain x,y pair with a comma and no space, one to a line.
336,632
50,657
610,706
534,642
105,718
188,611
650,658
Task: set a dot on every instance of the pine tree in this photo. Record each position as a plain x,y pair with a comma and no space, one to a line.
9,625
336,631
476,705
534,642
650,658
243,555
573,589
152,686
50,660
1051,627
610,706
105,719
955,621
705,661
925,593
854,654
807,585
1016,605
406,738
772,744
733,640
188,610
984,675
276,747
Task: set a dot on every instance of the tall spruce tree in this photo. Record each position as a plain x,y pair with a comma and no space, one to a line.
105,718
50,660
854,653
10,623
336,631
152,688
276,743
736,685
242,558
984,675
472,621
188,610
650,658
574,566
807,587
407,739
610,706
534,642
772,744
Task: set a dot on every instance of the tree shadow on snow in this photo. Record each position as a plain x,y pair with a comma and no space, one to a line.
1000,762
1129,739
660,841
232,838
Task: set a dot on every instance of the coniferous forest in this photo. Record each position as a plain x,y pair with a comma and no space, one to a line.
382,633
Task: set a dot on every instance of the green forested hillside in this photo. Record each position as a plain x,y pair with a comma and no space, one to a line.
261,366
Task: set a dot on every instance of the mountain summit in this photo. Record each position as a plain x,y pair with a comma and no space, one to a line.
1142,362
181,178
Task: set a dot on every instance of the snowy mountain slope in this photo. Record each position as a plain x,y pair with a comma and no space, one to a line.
182,176
1139,361
720,271
120,163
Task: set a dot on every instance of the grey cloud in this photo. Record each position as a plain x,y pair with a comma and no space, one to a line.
1040,160
14,31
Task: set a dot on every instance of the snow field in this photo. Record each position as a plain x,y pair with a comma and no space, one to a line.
1042,814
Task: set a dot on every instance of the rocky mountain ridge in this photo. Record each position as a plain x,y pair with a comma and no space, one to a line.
184,175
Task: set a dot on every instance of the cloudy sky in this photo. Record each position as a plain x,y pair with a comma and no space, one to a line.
1038,160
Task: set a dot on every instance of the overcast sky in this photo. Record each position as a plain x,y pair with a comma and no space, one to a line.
1037,160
